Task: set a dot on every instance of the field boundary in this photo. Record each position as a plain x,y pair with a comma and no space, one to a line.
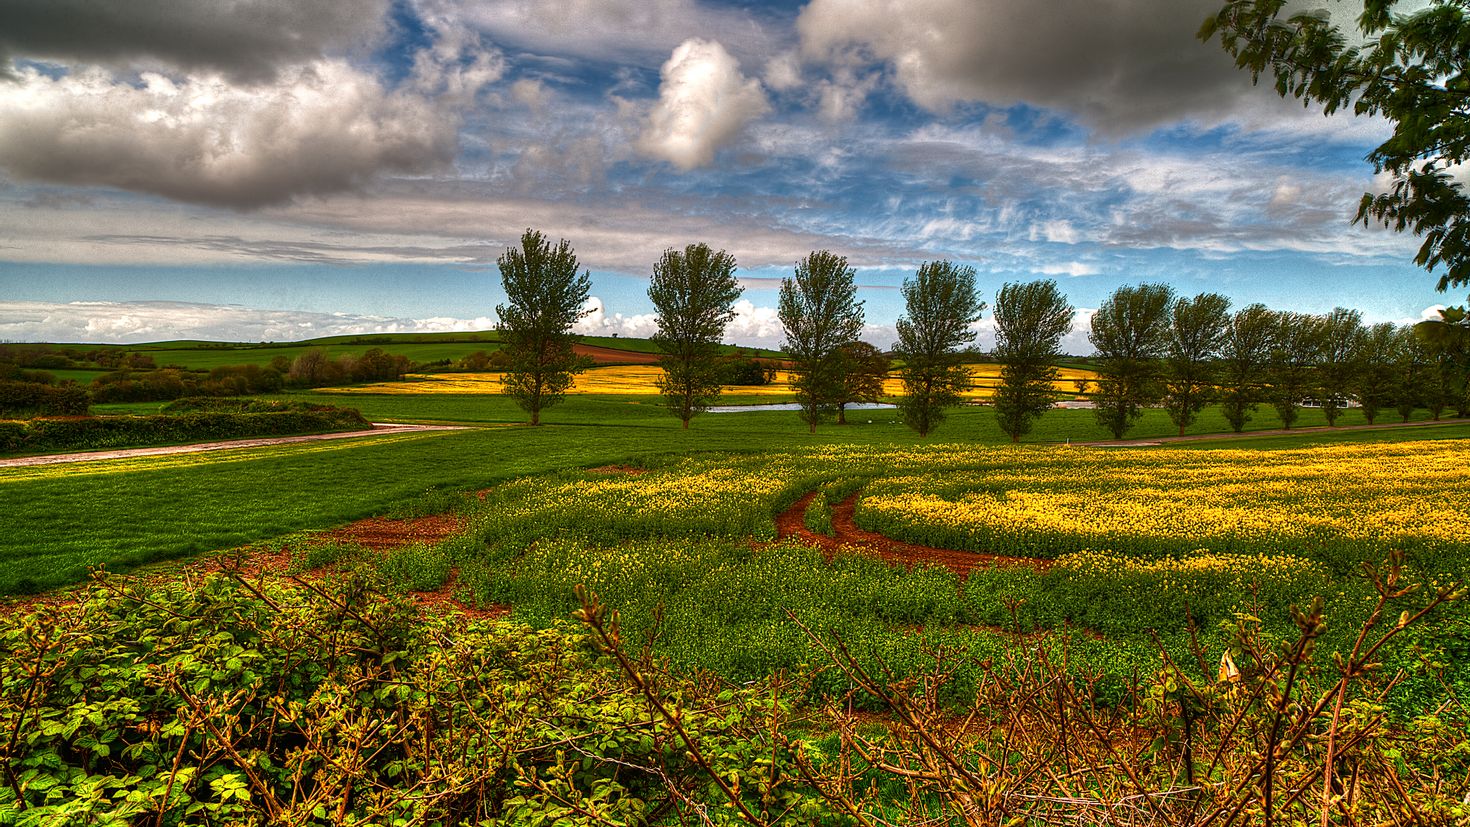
1144,442
378,429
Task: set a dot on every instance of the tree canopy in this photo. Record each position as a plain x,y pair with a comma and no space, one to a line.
940,304
1412,70
1030,321
545,296
692,291
821,313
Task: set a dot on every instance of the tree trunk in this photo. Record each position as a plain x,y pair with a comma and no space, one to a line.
536,417
842,414
686,423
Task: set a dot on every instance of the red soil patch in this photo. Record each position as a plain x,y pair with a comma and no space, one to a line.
253,563
382,534
613,356
791,524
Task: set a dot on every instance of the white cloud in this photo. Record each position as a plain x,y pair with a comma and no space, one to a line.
598,322
1055,231
1071,268
318,128
313,128
783,72
98,322
754,325
622,31
704,102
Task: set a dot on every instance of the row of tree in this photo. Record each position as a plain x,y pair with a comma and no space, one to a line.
1154,349
694,291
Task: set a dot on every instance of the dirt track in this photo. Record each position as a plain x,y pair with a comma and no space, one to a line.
379,429
791,524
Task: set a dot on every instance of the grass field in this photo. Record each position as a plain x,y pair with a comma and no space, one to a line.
419,347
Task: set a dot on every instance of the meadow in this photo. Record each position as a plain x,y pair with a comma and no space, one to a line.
1129,571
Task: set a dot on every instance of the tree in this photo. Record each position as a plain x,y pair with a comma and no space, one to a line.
1411,369
692,291
821,313
1448,341
1412,70
1030,321
1374,380
545,296
940,304
1340,342
1245,356
1130,333
1195,336
1294,356
863,370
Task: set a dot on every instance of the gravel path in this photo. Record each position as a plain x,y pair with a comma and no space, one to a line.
379,429
1144,442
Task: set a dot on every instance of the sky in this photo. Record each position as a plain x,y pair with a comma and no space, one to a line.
271,170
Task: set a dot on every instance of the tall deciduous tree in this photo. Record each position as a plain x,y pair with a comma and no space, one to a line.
820,311
692,291
1030,321
1196,333
545,296
1340,336
863,370
940,303
1448,341
1411,69
1130,333
1376,377
1245,358
1411,364
1295,352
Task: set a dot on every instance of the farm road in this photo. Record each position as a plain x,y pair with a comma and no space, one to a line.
379,429
1143,442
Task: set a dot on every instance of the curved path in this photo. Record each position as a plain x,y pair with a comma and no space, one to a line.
379,429
791,524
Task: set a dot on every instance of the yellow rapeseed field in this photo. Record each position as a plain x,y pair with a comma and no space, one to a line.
639,380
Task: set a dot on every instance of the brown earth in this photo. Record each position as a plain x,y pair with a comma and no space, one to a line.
613,356
791,524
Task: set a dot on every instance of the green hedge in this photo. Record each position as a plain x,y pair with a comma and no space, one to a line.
31,398
99,432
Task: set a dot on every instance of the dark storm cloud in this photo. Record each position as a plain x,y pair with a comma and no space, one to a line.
1119,65
246,40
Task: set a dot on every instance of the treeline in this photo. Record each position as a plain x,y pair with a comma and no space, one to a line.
1153,348
196,421
27,388
1158,349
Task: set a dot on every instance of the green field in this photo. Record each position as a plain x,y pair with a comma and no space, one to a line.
418,347
1148,556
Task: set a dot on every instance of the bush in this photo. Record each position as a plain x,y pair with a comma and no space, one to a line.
210,703
93,433
42,399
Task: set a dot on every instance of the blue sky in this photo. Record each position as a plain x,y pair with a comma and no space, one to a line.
270,170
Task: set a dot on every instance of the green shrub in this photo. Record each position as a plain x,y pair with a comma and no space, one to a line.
818,516
417,567
93,433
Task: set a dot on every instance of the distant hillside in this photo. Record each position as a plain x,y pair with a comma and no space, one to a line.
422,348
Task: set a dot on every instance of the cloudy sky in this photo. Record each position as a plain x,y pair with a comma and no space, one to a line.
278,169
